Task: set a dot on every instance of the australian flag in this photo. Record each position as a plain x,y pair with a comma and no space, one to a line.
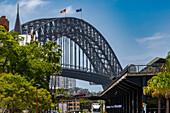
78,10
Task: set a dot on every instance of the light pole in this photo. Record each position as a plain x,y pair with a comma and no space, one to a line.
37,85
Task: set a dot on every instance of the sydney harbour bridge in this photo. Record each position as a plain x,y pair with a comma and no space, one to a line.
88,56
86,53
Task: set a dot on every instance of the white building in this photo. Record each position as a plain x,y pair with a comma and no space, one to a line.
63,82
27,39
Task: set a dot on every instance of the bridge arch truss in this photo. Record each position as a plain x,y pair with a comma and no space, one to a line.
84,47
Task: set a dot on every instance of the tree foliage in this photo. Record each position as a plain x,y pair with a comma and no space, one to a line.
62,91
51,53
16,93
31,61
159,83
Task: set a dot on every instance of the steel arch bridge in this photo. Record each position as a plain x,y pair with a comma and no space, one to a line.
86,53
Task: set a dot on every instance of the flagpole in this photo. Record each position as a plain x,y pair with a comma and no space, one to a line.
81,14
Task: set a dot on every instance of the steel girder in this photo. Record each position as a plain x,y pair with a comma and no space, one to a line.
91,77
89,39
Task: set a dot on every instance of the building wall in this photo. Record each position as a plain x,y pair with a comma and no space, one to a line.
74,105
27,39
64,82
4,22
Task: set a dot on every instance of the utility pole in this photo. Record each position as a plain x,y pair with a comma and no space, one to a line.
37,85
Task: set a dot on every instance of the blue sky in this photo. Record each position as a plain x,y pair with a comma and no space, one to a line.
137,30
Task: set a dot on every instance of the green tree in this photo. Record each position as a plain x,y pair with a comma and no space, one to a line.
160,85
86,104
52,54
60,91
167,66
167,69
16,94
29,61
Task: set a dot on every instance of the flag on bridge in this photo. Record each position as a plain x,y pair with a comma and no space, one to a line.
78,10
63,11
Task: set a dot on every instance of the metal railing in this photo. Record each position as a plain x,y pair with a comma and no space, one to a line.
155,68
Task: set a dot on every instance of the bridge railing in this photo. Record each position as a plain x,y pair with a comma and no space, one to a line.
155,68
79,68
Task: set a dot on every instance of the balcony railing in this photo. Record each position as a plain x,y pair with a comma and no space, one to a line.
155,68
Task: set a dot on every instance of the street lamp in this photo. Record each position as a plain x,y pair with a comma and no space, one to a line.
37,85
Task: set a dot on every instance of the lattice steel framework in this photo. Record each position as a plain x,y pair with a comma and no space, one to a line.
84,46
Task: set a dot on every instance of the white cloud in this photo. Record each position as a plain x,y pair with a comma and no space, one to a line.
156,45
32,4
70,10
26,6
156,41
156,36
28,10
7,9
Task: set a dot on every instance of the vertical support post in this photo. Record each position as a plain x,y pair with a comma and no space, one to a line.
127,103
130,102
83,54
62,49
79,58
63,52
133,104
123,104
71,53
90,57
87,61
75,54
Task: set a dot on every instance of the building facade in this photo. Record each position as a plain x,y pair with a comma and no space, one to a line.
4,22
63,82
74,106
125,95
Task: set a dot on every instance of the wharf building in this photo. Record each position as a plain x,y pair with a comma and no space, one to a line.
125,94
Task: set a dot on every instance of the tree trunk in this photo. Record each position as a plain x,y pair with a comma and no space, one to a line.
167,96
55,85
167,105
51,83
159,104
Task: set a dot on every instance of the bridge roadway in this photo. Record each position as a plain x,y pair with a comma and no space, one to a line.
100,79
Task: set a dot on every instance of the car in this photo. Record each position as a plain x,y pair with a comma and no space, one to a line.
80,94
60,96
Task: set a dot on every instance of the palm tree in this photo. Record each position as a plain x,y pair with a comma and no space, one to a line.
159,86
52,54
167,95
151,89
